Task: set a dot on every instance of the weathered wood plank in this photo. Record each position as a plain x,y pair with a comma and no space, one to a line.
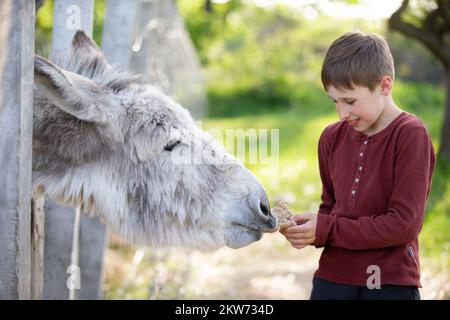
116,44
118,31
68,17
75,257
37,247
165,56
16,121
59,229
5,7
93,242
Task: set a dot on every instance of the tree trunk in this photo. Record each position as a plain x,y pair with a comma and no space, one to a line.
444,150
432,34
208,6
165,56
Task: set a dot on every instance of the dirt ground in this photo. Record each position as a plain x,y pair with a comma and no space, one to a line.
268,269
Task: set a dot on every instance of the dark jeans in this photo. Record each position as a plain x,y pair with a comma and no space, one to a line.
327,290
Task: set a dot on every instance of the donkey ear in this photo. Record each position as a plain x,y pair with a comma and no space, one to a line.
51,79
87,53
82,44
74,94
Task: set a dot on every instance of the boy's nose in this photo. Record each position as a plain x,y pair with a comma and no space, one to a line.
342,110
343,115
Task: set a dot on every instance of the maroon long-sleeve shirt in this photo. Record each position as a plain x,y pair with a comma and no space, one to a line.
373,200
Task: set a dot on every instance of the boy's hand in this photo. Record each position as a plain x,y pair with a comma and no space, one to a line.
304,233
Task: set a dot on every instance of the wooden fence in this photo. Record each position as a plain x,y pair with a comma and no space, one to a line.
48,251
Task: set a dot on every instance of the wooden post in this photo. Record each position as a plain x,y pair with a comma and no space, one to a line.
164,55
60,222
37,248
5,8
118,30
68,17
59,230
16,123
117,39
93,240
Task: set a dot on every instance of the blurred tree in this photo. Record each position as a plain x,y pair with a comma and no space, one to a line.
163,54
416,64
208,6
429,23
38,4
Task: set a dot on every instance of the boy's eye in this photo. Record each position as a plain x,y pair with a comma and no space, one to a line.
351,102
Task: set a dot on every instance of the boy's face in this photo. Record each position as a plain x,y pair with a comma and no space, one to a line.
360,107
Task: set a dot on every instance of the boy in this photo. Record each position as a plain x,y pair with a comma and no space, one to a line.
376,166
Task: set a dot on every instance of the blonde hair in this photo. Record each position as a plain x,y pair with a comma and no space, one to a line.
357,58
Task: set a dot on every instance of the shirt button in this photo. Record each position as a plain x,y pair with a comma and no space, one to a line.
360,168
356,180
361,154
353,191
365,142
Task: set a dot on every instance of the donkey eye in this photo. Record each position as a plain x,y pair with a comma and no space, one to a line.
171,145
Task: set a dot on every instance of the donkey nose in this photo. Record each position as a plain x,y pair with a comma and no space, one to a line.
265,209
270,220
260,206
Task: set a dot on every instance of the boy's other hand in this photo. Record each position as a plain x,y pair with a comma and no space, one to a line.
304,233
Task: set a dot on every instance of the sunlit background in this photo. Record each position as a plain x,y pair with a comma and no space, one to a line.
261,64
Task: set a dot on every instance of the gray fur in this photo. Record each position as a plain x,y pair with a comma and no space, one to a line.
99,142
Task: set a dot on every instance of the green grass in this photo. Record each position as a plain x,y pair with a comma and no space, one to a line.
295,172
299,127
295,177
265,75
435,238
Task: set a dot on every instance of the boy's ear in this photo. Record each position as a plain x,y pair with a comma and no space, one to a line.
386,84
70,92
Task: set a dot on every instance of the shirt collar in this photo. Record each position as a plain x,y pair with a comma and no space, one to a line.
359,136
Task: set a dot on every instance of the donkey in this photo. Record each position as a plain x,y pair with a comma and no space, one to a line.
118,149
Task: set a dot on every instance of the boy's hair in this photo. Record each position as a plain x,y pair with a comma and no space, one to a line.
357,58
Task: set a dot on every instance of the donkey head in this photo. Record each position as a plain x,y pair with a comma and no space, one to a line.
136,158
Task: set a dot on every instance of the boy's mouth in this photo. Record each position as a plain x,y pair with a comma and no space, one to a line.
354,122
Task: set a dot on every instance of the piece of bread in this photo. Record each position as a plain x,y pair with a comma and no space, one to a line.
281,211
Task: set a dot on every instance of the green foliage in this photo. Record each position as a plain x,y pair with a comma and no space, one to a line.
270,59
424,100
266,74
263,59
416,63
298,172
297,177
435,238
262,70
44,25
205,27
